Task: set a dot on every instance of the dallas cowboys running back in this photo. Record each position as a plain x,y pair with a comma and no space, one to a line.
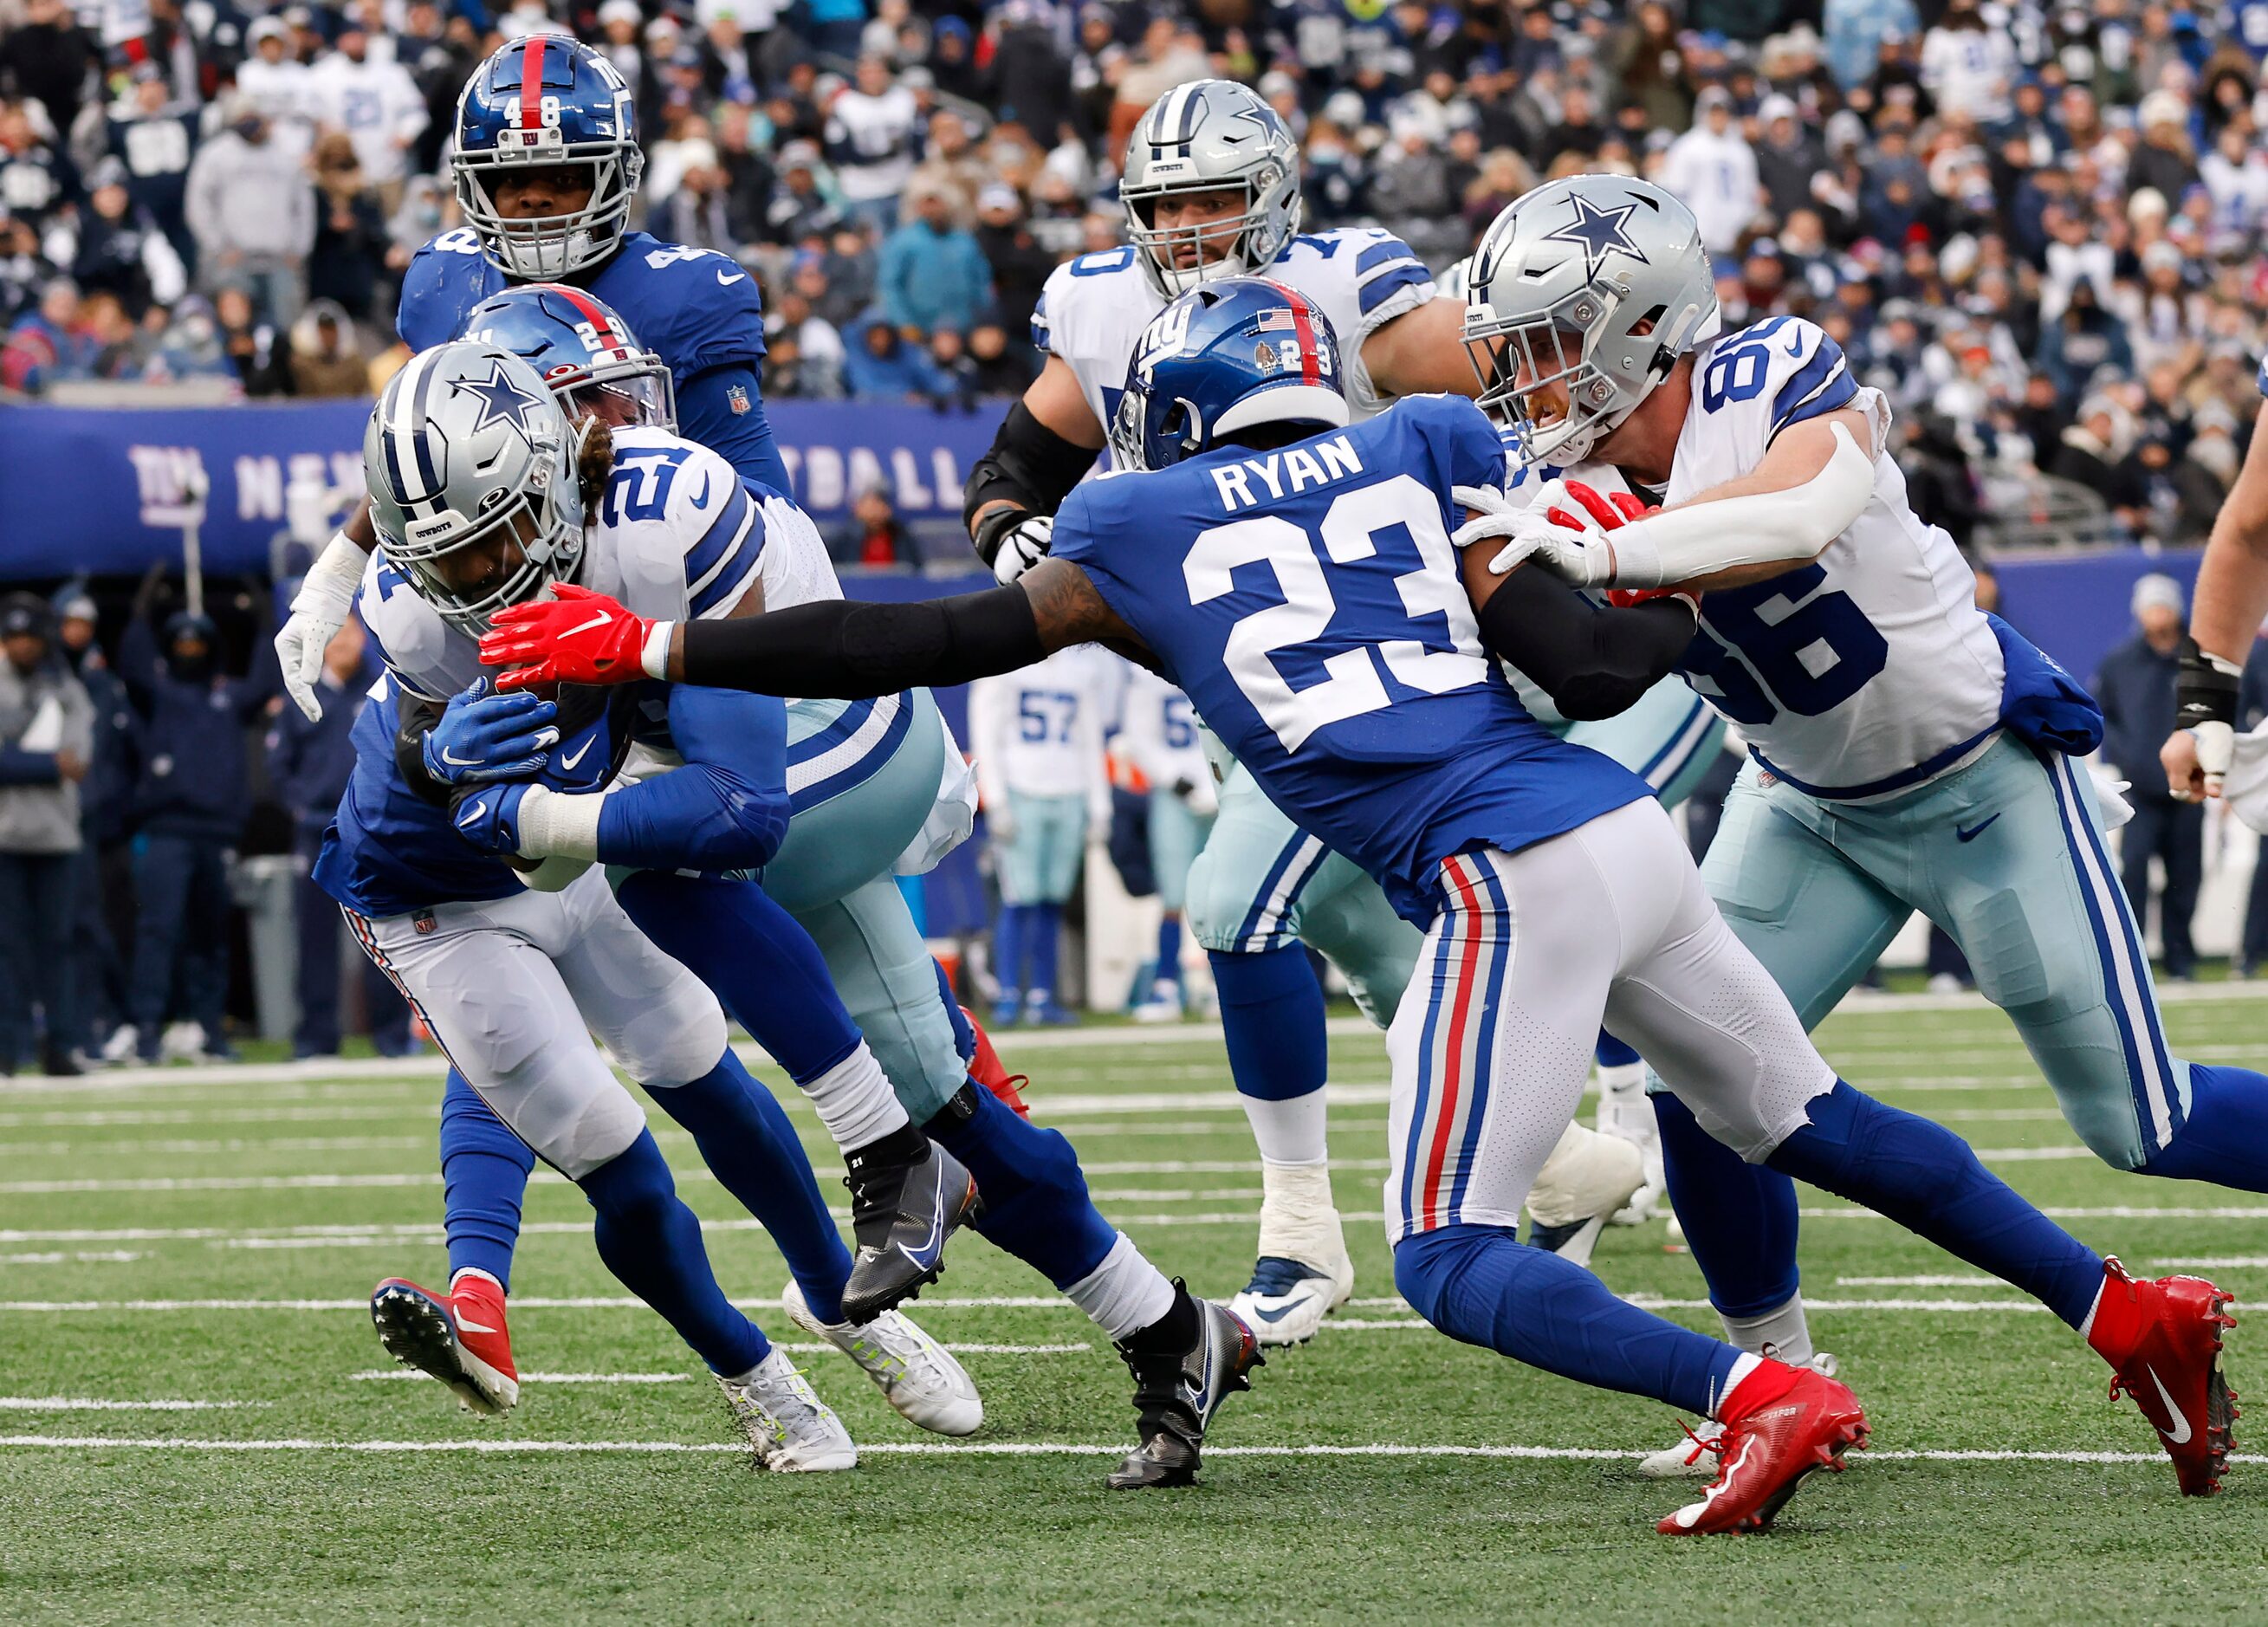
473,471
678,534
1909,752
1210,189
1294,575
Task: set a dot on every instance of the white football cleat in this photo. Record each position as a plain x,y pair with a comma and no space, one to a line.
1303,1272
791,1430
1697,1455
915,1374
1626,1113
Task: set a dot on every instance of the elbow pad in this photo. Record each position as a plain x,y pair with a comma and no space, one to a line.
1679,544
1029,465
699,817
1593,663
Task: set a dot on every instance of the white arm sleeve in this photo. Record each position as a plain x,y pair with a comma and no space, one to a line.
1679,544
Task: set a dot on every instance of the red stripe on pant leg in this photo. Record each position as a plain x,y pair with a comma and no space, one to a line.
1453,1046
368,940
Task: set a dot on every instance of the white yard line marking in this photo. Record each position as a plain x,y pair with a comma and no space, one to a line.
2213,1263
71,1404
806,1348
1970,1280
282,1144
85,1256
1019,1302
1021,1448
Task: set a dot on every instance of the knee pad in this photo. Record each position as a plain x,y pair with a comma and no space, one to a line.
676,1039
1215,903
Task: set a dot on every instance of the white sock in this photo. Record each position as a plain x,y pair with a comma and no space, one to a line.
1783,1331
1290,1131
1125,1293
855,1100
463,1272
1742,1368
1298,1218
1623,1084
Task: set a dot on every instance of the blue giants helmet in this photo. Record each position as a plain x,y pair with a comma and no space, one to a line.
1223,357
582,350
541,101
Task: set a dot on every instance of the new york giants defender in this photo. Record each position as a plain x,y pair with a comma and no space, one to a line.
473,471
546,161
1296,577
677,535
1909,752
1210,186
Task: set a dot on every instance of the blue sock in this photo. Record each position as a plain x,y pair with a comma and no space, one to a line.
1008,951
1926,1179
1040,929
1035,1202
1612,1053
1738,1218
1476,1283
745,1139
484,1170
964,1037
1169,951
650,1241
1271,1018
762,965
2225,1137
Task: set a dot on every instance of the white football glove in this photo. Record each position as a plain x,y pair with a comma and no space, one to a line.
1021,545
1552,527
325,600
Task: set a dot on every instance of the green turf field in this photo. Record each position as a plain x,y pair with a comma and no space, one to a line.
199,1423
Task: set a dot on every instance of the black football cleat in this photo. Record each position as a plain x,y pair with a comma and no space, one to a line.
1177,1391
901,1214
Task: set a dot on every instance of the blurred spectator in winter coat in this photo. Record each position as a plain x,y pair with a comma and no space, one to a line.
46,739
931,274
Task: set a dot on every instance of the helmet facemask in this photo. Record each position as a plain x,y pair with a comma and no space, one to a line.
636,393
545,248
1252,245
1538,376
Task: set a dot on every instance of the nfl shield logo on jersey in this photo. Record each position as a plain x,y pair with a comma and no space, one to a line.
423,924
736,396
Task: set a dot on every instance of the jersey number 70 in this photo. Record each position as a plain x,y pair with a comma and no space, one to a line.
1429,655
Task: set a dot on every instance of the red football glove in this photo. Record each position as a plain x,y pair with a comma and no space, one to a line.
578,637
1606,510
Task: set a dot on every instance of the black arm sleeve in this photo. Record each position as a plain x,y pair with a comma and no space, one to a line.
1593,663
840,648
418,715
1029,465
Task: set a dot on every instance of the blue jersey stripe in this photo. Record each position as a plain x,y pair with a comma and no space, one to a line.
725,586
1375,291
722,531
1807,381
1379,253
1837,393
846,723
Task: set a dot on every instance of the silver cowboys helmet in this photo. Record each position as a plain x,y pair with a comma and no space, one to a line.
1210,136
1580,298
471,469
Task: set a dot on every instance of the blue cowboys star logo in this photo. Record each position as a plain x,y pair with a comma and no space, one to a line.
502,400
1599,231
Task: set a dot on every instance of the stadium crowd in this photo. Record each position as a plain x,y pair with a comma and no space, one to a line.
2039,226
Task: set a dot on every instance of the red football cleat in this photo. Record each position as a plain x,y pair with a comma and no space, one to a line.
987,1071
1780,1423
2164,1340
459,1338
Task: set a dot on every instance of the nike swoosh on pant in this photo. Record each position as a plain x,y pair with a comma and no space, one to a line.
2179,1435
1973,832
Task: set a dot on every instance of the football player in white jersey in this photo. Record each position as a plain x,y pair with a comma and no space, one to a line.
1210,189
1157,732
1909,752
678,530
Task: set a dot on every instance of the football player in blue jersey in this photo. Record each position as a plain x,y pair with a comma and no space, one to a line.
1294,575
546,161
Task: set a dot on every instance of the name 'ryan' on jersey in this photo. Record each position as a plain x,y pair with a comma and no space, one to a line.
1308,601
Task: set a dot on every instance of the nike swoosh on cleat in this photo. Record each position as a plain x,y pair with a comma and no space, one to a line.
599,620
936,1239
465,1324
2179,1435
1276,1316
1973,832
567,764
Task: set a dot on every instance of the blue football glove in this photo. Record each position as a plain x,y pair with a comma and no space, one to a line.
484,736
488,816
